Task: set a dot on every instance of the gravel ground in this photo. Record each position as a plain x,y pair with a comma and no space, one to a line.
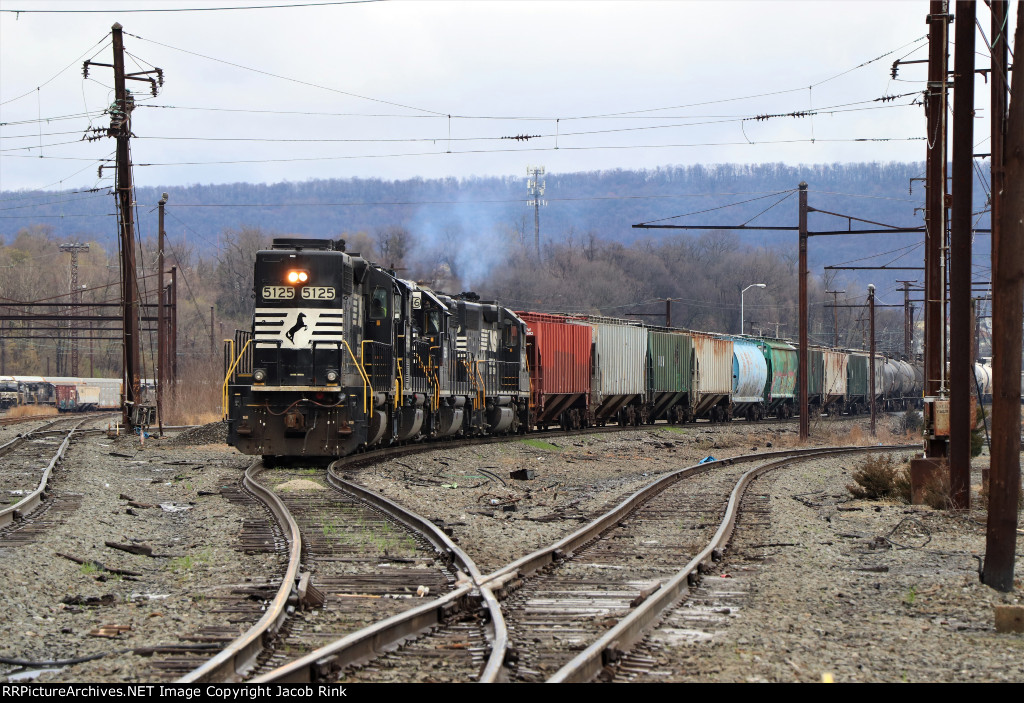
852,590
498,519
926,618
49,614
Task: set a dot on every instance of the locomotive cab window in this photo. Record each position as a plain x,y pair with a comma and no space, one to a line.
510,335
379,303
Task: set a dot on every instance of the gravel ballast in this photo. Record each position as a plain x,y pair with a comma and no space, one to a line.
819,605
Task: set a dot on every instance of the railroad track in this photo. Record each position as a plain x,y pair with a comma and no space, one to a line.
26,463
369,559
453,639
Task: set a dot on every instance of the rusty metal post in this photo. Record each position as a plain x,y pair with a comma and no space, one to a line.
871,362
121,129
935,218
213,342
668,312
1007,307
961,362
805,425
161,325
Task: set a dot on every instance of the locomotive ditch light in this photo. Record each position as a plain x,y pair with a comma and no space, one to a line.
259,375
297,277
332,376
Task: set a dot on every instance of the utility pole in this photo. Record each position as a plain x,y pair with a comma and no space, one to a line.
936,448
871,363
161,325
76,297
835,315
213,342
536,187
935,219
1007,307
121,129
961,362
805,425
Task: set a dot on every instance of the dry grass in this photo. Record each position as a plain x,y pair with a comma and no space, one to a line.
937,492
196,400
853,435
31,411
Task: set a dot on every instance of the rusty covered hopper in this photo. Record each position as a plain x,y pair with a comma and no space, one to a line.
833,375
713,356
559,357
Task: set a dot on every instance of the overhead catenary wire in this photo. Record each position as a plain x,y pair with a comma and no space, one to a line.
225,8
61,71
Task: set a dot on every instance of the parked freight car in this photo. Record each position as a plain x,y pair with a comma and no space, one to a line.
857,399
619,385
749,378
834,365
670,382
780,390
559,355
713,374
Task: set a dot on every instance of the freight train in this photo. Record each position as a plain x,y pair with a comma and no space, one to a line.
64,393
343,355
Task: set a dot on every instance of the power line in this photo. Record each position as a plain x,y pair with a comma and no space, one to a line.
757,95
493,201
286,78
550,135
496,151
121,10
58,73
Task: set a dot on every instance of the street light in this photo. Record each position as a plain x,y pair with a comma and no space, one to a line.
752,285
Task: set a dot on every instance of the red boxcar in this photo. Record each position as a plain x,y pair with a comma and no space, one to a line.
560,369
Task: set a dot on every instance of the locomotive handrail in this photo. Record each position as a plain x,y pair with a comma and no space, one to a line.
227,377
399,382
367,407
437,379
482,387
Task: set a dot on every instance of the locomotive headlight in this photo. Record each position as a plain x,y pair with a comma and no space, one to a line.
297,277
332,376
259,375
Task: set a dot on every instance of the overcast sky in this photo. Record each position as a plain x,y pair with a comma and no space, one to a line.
403,88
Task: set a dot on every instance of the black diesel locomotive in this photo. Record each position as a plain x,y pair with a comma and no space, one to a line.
344,354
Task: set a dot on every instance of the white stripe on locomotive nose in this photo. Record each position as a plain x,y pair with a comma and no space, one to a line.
274,325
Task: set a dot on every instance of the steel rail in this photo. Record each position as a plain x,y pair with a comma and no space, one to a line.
31,501
373,640
233,661
609,647
547,555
